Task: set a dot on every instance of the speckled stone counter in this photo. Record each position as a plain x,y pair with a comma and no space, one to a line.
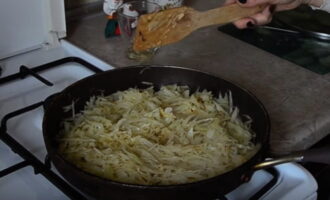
297,100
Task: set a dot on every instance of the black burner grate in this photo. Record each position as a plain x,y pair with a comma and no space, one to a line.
39,167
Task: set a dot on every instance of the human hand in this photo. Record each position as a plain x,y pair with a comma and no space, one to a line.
265,16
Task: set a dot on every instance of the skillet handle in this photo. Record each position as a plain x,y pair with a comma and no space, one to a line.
317,155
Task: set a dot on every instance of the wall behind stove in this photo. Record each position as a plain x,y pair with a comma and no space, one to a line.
70,4
78,9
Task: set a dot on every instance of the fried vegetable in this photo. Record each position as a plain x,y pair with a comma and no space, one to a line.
157,137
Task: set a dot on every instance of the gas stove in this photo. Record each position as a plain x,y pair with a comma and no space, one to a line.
23,88
25,170
36,62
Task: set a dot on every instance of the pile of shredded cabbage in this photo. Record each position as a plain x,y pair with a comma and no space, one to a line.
148,137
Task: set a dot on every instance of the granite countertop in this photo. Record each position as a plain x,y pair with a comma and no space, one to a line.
297,99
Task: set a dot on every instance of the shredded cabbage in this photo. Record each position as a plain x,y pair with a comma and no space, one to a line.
164,137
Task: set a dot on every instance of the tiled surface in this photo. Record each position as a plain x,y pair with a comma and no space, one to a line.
296,98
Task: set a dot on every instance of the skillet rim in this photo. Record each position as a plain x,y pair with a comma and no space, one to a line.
54,153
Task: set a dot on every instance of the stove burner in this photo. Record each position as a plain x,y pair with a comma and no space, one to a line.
25,71
43,168
50,65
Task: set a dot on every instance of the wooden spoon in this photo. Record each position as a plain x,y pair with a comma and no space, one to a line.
172,25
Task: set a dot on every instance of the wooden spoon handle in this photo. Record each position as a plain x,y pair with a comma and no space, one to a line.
226,14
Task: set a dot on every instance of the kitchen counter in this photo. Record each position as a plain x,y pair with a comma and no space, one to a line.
297,99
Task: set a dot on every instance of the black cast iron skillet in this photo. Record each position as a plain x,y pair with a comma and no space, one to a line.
123,78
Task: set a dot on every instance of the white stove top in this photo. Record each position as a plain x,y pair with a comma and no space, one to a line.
293,182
